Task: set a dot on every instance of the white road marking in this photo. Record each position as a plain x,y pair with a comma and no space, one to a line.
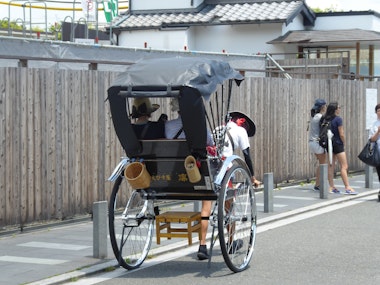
21,259
296,198
54,245
274,205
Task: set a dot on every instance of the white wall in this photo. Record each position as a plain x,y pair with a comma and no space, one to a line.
364,22
295,25
163,4
224,38
251,39
376,24
164,40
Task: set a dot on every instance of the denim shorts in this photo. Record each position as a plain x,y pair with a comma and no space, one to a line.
316,148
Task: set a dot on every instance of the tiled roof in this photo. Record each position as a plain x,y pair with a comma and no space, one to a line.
271,11
327,36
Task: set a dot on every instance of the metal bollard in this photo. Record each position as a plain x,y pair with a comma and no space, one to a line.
323,181
368,176
197,206
268,192
100,229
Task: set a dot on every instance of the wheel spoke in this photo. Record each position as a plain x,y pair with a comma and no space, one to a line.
237,218
135,226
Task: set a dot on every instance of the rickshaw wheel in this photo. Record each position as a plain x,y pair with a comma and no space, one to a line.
131,232
237,218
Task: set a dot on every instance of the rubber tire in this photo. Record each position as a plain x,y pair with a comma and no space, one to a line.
244,214
137,242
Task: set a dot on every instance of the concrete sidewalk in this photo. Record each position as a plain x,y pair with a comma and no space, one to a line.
63,253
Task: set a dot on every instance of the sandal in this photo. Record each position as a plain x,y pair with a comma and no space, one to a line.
334,191
350,192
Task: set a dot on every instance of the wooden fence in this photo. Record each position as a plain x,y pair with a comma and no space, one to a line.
309,68
58,145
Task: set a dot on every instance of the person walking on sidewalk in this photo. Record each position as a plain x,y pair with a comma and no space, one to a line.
316,113
374,135
339,139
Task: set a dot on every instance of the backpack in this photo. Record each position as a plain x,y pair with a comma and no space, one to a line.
323,128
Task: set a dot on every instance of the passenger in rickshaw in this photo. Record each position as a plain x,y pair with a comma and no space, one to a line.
239,128
144,128
174,128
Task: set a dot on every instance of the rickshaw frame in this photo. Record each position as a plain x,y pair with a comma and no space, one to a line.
223,180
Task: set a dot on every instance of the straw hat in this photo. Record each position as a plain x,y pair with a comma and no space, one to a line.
143,107
249,126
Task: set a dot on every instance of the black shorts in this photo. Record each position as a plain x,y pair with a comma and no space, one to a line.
338,148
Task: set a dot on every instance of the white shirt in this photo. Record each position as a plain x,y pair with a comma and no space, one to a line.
314,127
373,130
172,127
239,136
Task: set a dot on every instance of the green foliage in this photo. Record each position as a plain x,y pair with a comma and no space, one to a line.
109,269
55,28
17,26
37,29
3,24
332,8
14,26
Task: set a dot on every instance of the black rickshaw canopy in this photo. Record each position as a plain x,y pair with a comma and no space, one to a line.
192,80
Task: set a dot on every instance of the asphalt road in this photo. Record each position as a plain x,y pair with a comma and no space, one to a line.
338,244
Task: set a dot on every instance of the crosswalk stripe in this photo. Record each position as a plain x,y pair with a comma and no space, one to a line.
21,259
53,245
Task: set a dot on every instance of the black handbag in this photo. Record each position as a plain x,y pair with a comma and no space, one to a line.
370,154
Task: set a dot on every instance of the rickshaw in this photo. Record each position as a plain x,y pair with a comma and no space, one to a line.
203,88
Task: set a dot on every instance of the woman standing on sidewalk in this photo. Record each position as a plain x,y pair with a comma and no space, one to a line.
339,139
374,135
316,113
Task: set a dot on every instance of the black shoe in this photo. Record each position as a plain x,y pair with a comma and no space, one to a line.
236,245
202,252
